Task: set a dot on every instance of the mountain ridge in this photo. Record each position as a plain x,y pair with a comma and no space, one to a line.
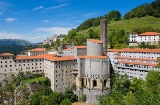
17,42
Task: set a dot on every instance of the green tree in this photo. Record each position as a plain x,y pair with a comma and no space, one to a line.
35,98
55,98
84,98
44,100
114,15
71,96
65,102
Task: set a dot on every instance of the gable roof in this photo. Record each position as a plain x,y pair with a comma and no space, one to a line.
149,34
37,50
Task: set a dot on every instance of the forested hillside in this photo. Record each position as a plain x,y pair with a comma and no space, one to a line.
135,92
152,9
119,27
13,45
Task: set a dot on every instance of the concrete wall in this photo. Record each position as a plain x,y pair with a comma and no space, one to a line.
94,49
9,66
60,74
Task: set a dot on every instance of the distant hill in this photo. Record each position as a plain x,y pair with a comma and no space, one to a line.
17,42
14,46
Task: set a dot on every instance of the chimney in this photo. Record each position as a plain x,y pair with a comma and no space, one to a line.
103,34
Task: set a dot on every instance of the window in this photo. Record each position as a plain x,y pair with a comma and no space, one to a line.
105,83
94,83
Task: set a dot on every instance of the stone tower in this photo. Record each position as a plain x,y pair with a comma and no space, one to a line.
103,34
93,77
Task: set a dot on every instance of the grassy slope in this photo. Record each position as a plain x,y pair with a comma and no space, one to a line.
35,80
128,25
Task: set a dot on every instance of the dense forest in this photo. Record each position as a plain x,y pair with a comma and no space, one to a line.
135,92
152,9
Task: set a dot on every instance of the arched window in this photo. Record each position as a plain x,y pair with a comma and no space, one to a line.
94,83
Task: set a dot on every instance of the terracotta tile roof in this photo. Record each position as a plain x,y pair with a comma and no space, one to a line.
95,40
141,59
37,50
114,50
67,49
93,57
81,46
42,56
137,63
156,50
6,54
149,34
66,58
141,50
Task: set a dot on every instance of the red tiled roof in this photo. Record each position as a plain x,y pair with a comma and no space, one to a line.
149,34
141,50
34,57
66,58
93,57
37,50
137,63
81,46
67,49
141,59
95,40
114,50
6,54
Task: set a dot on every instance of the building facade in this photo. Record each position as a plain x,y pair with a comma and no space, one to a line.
147,37
86,66
37,51
134,62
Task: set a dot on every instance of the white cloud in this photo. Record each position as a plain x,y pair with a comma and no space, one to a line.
54,30
45,21
10,20
31,38
56,7
1,13
8,35
37,8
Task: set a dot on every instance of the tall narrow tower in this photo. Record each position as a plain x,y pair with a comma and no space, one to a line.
103,34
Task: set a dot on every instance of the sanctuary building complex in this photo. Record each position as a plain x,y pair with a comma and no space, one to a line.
87,66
